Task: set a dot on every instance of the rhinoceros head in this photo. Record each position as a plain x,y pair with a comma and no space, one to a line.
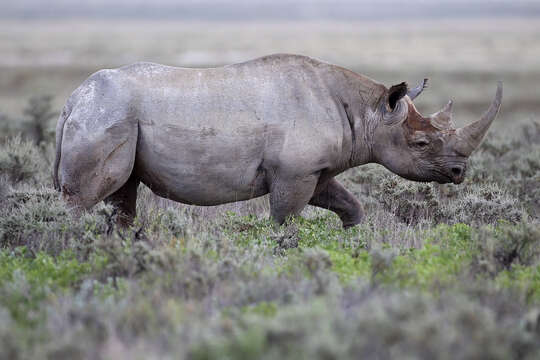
426,148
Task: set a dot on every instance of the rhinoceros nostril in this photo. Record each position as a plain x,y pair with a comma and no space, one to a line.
456,171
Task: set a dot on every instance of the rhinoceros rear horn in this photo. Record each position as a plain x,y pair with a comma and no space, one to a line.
470,136
442,119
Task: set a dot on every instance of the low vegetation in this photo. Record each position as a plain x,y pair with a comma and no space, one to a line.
435,271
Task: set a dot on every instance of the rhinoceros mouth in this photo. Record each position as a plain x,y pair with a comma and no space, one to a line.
438,177
447,179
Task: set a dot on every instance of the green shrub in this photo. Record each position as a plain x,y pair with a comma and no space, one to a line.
500,248
413,203
482,204
6,130
25,281
381,325
21,161
38,114
524,280
513,163
9,344
410,202
40,221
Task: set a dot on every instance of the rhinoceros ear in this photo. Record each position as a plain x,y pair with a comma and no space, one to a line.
393,110
395,93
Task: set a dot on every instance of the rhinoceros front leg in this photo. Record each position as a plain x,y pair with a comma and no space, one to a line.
333,196
289,196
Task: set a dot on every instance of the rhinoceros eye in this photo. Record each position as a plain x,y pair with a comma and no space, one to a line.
421,143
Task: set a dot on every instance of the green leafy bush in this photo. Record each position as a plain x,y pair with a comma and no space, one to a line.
501,248
483,204
20,161
25,281
41,221
39,114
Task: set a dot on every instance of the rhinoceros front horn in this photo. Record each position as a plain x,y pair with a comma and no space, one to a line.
470,136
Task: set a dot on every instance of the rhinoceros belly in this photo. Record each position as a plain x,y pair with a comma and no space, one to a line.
201,164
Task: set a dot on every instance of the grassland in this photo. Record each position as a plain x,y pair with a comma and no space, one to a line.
435,271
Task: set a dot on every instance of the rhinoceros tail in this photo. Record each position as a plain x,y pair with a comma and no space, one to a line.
59,133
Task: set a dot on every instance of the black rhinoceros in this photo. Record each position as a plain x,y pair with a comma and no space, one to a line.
283,125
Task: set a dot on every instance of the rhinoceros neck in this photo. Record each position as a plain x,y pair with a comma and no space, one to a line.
360,97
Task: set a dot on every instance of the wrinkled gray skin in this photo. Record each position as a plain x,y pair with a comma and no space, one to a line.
281,124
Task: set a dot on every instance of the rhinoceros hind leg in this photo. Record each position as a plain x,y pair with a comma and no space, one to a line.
124,200
97,164
289,197
334,197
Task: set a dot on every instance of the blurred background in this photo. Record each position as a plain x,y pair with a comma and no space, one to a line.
464,47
